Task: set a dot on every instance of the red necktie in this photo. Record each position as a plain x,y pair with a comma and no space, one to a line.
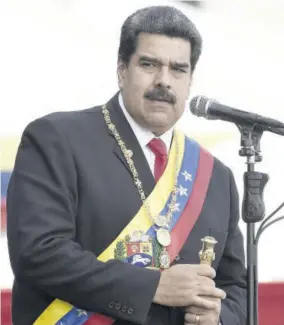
161,156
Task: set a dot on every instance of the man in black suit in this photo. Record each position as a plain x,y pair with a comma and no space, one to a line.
80,177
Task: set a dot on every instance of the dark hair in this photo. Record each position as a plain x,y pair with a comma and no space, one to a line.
163,20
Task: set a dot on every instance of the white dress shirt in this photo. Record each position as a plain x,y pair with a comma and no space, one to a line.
144,136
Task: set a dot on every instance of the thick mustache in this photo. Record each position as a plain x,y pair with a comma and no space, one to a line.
160,94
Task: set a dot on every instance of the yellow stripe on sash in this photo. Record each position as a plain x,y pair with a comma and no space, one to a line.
53,313
141,221
156,200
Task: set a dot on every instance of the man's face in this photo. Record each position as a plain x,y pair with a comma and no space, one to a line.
155,84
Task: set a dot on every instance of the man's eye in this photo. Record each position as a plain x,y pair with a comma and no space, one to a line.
147,64
180,70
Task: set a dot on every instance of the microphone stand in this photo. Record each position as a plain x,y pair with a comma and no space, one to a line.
253,211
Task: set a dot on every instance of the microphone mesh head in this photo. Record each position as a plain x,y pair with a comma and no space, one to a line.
199,106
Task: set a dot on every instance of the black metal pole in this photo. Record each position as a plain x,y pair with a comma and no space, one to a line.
251,275
251,265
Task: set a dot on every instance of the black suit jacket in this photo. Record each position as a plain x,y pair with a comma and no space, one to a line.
70,195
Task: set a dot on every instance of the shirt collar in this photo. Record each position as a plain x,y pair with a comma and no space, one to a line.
143,135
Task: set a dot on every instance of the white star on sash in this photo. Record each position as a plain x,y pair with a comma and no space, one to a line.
182,191
187,176
81,312
175,206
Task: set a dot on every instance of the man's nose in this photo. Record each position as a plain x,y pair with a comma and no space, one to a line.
163,78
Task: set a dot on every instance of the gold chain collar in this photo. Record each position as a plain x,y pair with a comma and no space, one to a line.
163,235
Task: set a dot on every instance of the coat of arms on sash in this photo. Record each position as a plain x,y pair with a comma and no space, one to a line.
138,249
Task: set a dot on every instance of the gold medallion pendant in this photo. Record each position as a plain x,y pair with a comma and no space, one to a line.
160,220
165,259
164,237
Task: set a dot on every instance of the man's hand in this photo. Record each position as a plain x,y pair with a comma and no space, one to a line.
184,285
202,316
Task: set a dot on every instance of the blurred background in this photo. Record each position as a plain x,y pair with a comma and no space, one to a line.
59,55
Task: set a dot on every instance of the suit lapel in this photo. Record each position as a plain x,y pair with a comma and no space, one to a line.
127,135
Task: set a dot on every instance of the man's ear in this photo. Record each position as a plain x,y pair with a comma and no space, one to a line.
121,67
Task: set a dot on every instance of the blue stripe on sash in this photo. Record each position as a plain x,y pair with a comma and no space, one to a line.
74,317
186,180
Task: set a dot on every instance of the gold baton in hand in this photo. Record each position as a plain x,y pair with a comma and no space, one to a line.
207,255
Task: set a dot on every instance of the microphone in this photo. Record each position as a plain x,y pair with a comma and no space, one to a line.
212,110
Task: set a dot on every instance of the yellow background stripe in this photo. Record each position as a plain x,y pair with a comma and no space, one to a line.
9,145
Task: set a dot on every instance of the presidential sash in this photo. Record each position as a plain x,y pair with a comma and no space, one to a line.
137,243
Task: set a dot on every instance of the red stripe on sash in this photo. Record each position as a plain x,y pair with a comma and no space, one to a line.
186,221
194,205
98,319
